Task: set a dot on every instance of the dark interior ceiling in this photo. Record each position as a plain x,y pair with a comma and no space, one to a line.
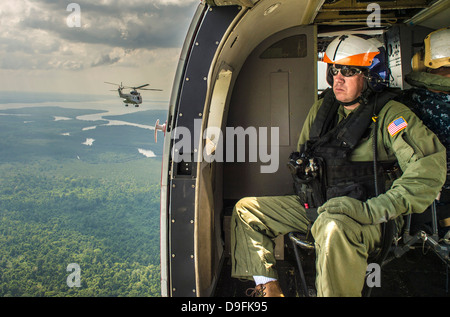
355,12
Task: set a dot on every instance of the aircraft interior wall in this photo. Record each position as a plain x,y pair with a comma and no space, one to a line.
273,92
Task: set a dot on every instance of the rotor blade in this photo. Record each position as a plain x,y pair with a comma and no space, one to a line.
151,89
141,86
111,83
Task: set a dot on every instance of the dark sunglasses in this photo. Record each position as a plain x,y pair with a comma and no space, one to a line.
346,71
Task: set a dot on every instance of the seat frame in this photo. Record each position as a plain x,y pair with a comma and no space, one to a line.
392,247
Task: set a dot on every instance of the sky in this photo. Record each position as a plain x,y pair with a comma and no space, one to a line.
74,47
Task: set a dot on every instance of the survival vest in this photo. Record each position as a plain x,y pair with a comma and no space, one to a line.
322,169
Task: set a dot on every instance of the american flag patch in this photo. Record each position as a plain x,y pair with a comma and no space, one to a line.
397,125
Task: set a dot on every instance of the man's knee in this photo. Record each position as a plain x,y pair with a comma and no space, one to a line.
244,204
244,210
331,229
342,232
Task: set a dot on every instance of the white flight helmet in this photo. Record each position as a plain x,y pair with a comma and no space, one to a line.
367,54
352,50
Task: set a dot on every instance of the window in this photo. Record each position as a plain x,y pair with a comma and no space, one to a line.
290,47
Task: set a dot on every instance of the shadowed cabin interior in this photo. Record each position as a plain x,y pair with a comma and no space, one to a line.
264,74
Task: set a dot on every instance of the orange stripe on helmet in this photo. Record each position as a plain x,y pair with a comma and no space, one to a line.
364,59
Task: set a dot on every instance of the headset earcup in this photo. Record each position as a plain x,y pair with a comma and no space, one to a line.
329,76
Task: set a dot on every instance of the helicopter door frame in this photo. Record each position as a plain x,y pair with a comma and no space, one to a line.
178,181
166,166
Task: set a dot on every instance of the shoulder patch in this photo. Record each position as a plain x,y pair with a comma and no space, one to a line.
396,126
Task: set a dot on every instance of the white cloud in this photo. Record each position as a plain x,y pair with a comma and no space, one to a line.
128,36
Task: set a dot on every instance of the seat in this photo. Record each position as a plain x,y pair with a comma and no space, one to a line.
430,238
304,242
391,247
300,241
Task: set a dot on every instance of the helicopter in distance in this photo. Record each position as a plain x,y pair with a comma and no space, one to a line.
134,97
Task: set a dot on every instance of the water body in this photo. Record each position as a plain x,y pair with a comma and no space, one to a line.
109,109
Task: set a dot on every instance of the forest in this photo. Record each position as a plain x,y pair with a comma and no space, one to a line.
108,225
63,203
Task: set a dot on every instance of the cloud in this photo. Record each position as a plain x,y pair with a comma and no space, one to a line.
105,60
130,24
35,34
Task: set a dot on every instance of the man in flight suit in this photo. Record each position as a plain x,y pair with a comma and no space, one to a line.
429,99
338,136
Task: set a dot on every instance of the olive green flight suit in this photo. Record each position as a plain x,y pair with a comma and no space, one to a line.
347,230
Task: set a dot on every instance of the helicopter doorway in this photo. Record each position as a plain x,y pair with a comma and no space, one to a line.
275,89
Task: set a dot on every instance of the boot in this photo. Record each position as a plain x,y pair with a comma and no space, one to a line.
270,289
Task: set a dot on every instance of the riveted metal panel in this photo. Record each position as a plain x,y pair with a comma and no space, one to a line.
182,186
193,94
182,230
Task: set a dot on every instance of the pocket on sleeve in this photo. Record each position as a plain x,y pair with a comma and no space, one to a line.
403,150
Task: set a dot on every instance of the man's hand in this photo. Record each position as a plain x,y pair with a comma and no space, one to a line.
351,207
